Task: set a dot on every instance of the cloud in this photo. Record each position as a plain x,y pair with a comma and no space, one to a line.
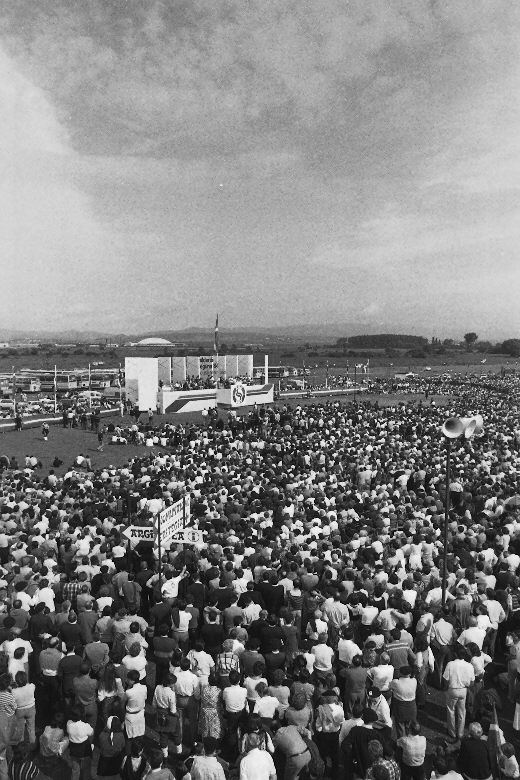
49,239
257,153
196,77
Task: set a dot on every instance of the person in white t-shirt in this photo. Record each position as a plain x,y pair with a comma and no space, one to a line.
257,764
323,656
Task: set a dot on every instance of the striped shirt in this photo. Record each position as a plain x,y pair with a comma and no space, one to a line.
7,703
24,771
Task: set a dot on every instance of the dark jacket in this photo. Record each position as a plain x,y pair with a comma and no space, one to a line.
68,669
474,759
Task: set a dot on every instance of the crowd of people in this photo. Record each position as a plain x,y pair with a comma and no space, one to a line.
211,381
305,636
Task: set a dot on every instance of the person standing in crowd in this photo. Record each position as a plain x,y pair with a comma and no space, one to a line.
7,721
257,764
459,675
413,746
135,700
404,703
111,744
474,760
80,734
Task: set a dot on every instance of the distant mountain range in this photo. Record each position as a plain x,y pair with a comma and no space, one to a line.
297,333
308,333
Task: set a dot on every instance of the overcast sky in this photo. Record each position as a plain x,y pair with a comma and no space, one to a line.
277,161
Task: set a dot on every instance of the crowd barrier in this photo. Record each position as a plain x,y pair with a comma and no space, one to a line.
310,393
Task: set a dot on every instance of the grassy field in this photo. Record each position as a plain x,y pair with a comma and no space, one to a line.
68,443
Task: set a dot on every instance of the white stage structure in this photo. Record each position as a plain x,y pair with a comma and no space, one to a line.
153,383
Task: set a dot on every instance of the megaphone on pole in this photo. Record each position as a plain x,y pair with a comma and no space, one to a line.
469,424
456,426
453,428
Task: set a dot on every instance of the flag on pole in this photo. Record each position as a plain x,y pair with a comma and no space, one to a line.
215,342
120,377
55,383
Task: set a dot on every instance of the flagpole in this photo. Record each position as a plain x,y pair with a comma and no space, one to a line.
89,388
55,389
14,391
120,390
215,350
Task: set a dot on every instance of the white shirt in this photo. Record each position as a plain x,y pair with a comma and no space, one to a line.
184,621
473,634
25,599
382,676
347,649
165,697
368,615
45,595
382,710
201,663
234,698
10,645
459,674
78,731
170,588
323,655
257,765
495,611
187,684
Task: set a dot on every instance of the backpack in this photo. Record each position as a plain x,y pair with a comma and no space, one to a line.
315,769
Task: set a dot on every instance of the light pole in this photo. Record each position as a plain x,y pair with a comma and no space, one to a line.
454,428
